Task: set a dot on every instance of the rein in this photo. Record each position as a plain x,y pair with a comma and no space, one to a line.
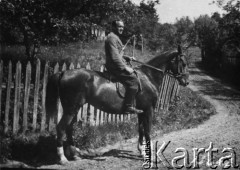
157,69
147,65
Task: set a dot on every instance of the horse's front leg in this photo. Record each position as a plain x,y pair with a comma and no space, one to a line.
141,133
61,127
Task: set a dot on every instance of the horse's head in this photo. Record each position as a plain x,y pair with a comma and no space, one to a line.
172,62
178,67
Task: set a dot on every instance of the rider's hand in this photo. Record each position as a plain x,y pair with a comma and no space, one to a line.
129,70
127,58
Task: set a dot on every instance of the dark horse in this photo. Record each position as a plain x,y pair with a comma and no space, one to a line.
80,86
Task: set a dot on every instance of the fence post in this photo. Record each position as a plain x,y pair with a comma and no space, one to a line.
174,90
104,117
125,117
79,115
36,92
129,117
84,114
91,115
78,65
71,67
100,117
64,67
45,78
166,94
164,91
96,116
17,98
169,91
114,118
26,96
1,76
178,89
121,117
7,107
134,44
161,92
142,42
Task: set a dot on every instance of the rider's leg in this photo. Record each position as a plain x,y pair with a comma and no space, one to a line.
130,97
131,83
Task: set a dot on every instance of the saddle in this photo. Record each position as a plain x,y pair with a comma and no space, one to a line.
120,88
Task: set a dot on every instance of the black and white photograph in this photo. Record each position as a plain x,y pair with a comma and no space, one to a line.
120,84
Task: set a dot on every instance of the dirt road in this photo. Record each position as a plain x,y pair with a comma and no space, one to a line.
222,130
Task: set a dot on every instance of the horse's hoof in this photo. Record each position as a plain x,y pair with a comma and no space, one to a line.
76,158
63,162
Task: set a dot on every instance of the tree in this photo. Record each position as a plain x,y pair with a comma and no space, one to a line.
42,21
207,32
185,34
229,26
30,17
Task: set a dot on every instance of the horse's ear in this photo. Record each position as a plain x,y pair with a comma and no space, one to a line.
179,49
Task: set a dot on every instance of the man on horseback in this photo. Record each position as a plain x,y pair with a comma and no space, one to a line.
116,66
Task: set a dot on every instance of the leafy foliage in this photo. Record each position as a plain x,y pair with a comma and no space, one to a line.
35,22
219,39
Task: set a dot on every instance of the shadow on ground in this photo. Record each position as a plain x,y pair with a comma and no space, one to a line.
33,152
123,154
41,153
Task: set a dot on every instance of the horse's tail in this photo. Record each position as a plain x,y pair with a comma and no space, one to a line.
52,95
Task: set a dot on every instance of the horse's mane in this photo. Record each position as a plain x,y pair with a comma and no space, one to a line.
162,58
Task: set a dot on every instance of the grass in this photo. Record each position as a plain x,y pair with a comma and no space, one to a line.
40,148
188,112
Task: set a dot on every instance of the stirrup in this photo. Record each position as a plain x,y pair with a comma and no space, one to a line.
132,110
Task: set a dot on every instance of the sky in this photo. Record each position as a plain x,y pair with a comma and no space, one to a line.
169,10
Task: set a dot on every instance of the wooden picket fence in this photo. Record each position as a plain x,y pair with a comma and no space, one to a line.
168,91
24,106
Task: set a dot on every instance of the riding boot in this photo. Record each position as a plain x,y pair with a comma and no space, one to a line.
130,104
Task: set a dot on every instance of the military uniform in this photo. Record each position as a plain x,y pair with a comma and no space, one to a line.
116,65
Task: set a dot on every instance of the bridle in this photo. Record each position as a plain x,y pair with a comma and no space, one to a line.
177,75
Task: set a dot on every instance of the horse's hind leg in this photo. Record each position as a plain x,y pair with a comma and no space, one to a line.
141,133
71,149
147,122
65,121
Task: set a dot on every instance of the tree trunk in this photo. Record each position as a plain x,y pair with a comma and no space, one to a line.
27,45
203,53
